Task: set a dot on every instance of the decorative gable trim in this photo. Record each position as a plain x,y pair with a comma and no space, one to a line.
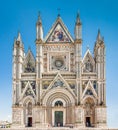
90,56
89,87
63,83
88,63
28,86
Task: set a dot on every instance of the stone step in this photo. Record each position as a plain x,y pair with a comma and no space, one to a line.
57,128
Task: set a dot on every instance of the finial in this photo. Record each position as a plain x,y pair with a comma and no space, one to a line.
78,18
19,37
58,12
98,36
39,16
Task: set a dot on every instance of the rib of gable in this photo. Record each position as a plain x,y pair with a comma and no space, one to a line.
26,87
59,22
58,76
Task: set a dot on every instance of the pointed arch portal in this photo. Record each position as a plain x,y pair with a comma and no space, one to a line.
89,107
59,102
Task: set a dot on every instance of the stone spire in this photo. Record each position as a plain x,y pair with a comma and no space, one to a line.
39,18
98,35
99,39
78,28
39,28
19,37
78,21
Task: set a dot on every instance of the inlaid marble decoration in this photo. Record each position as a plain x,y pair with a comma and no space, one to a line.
58,35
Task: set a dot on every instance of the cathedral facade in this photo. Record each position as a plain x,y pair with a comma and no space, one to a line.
59,87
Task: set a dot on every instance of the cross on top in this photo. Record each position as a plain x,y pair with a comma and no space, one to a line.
58,11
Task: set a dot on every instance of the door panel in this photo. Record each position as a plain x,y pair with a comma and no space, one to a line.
58,118
29,121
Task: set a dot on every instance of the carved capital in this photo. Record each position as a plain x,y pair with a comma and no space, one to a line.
78,41
39,41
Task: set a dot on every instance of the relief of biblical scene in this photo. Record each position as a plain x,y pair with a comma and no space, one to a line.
58,35
45,84
71,84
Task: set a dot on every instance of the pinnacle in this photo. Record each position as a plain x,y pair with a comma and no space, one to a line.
99,35
99,39
39,17
19,37
78,18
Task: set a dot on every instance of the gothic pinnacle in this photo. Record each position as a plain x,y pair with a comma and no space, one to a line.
39,18
19,37
99,35
78,19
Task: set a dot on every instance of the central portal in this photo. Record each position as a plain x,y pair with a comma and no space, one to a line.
58,118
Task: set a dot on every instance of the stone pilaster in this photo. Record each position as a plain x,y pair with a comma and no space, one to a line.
40,117
79,117
101,117
39,68
17,117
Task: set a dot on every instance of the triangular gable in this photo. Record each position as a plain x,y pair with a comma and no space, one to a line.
88,55
88,62
29,62
59,82
28,91
89,90
58,33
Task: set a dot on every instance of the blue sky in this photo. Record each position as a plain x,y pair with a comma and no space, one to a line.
21,15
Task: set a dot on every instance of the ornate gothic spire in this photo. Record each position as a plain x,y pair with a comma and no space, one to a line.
99,38
78,28
78,21
19,37
39,18
39,33
98,35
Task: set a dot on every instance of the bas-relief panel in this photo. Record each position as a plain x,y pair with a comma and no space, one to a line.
46,83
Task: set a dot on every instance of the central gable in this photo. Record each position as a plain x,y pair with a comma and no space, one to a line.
58,33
